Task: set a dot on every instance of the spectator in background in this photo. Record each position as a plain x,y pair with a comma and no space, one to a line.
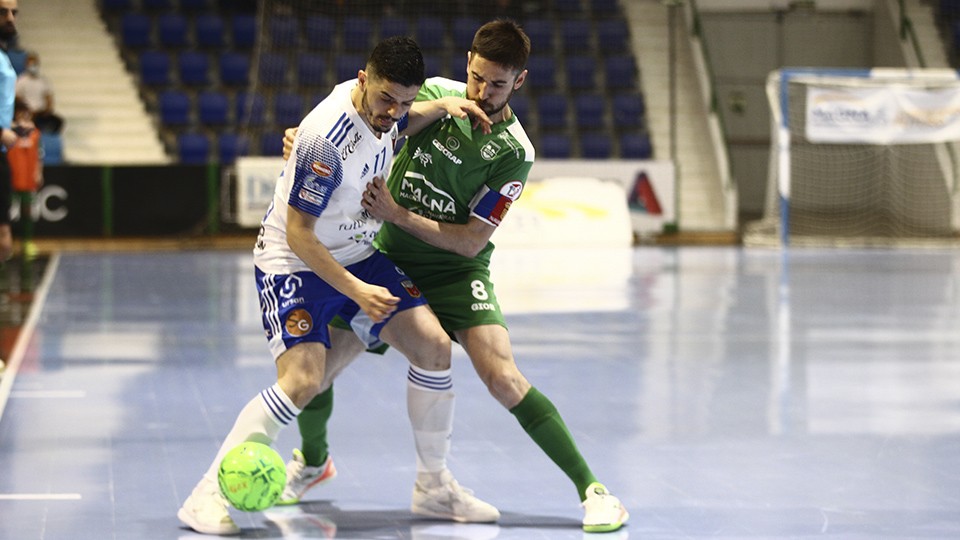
8,83
35,90
26,170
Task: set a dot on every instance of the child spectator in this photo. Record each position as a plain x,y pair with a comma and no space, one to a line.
26,169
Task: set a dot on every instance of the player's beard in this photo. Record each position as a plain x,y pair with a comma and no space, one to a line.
492,108
7,31
373,119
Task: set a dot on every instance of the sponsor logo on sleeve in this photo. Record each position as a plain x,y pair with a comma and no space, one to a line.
321,169
512,190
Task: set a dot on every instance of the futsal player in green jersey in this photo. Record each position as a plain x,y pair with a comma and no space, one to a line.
448,190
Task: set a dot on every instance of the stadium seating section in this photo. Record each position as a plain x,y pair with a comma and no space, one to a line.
224,81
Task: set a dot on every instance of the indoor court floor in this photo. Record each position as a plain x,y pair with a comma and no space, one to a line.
720,392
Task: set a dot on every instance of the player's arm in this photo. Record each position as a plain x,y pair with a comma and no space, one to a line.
304,206
377,302
424,113
421,115
466,239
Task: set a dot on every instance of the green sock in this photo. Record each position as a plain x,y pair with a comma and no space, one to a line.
313,428
540,419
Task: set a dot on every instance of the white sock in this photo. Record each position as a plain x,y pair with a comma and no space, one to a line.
260,420
430,402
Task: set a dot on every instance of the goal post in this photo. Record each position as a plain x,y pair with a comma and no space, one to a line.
862,158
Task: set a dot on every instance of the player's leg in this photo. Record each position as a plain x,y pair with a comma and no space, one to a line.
312,465
417,334
300,372
299,349
489,349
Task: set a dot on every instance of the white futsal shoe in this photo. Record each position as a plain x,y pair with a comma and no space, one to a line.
205,510
602,511
446,499
301,477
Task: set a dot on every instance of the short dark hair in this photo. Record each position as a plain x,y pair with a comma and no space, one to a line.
397,59
503,42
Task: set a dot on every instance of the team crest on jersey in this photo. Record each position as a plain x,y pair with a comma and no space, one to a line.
299,323
512,190
412,289
489,150
322,169
453,143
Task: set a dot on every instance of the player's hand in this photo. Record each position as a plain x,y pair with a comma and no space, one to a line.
288,135
462,108
377,302
378,200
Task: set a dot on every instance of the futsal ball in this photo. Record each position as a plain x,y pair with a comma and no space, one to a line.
252,476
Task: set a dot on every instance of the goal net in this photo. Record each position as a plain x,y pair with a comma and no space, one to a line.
862,158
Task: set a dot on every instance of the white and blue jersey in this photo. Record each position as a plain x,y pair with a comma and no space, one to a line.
334,155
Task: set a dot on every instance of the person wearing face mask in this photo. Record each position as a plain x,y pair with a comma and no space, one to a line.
35,90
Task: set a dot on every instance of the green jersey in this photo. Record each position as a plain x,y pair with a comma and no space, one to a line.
449,172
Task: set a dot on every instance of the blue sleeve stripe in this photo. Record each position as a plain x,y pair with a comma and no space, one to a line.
338,126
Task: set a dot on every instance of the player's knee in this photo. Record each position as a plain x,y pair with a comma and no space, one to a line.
506,385
433,353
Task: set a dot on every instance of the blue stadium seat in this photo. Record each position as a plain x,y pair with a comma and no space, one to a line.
575,35
319,31
154,68
243,31
628,109
520,105
230,146
393,26
194,148
635,146
208,31
430,32
52,144
284,31
194,68
347,66
212,108
250,109
172,30
613,36
552,111
540,32
311,69
272,69
287,109
596,146
174,108
463,30
135,30
357,32
271,143
541,72
555,146
234,69
620,72
581,72
588,111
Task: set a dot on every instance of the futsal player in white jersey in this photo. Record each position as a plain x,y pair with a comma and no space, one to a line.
315,260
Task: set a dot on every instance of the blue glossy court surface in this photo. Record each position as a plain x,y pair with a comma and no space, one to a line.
721,392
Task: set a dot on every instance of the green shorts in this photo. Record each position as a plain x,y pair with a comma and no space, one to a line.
461,298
